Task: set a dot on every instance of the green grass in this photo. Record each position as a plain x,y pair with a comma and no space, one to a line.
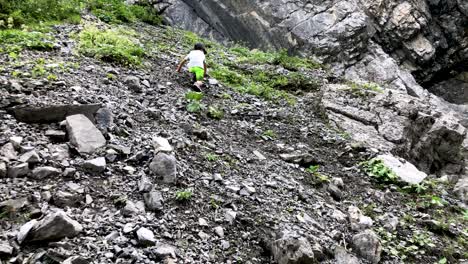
363,89
183,195
111,45
117,11
13,41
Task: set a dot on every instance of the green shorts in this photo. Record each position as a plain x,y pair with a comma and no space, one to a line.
199,72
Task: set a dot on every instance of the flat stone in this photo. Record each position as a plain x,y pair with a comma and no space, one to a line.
83,134
52,113
45,172
30,157
97,165
56,135
163,251
63,199
19,170
406,171
54,226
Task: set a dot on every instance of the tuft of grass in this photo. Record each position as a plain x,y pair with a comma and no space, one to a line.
194,102
215,112
183,195
110,45
211,157
317,178
294,63
270,134
364,89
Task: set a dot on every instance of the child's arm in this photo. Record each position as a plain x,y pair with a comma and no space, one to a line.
204,69
181,65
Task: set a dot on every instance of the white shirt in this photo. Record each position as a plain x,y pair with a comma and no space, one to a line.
196,58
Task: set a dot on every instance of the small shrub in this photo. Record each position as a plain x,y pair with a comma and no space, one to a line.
317,178
379,171
194,96
294,63
227,76
270,134
211,157
215,113
111,45
363,89
194,102
118,11
183,195
14,41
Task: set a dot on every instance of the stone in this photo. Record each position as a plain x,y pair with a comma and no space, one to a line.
97,165
367,245
164,166
259,155
343,257
130,209
24,230
40,173
230,216
69,172
16,141
145,237
52,113
56,135
461,189
290,248
202,222
104,119
219,231
30,157
335,192
3,169
133,83
358,220
164,251
145,184
161,144
76,260
63,199
83,134
59,152
5,249
19,170
405,171
54,226
153,200
8,152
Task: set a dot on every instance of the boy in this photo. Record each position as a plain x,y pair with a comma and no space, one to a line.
196,65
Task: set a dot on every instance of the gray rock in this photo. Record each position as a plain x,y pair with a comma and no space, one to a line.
53,113
130,209
5,249
69,172
30,157
133,83
56,135
3,169
358,220
16,141
406,171
104,119
59,152
145,184
54,226
97,165
367,245
83,134
8,152
145,237
153,200
63,199
343,257
290,248
164,251
230,216
219,231
19,170
161,144
461,189
76,260
45,172
164,166
24,230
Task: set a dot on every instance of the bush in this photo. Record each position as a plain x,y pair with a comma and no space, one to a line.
294,63
111,45
379,171
183,195
117,11
13,41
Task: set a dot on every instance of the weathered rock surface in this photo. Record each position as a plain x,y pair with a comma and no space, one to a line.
54,226
53,113
406,171
367,245
97,165
165,167
83,134
290,248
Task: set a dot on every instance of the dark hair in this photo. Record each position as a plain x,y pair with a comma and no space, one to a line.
200,46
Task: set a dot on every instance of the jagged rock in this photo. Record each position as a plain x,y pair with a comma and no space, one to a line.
461,189
164,166
343,257
24,230
16,141
76,260
153,200
145,184
8,152
145,237
97,165
367,245
406,171
45,172
56,135
19,170
83,134
30,157
69,172
290,248
161,144
219,231
131,209
63,199
358,220
133,83
5,249
59,152
303,159
104,119
54,226
3,169
53,113
164,251
230,216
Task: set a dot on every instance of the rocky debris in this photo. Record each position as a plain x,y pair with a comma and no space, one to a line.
343,257
164,251
30,157
63,199
16,141
83,134
230,216
153,200
145,184
97,165
45,172
56,135
104,119
145,237
303,159
5,249
133,83
164,166
131,209
3,169
358,220
76,260
161,144
405,171
8,152
53,226
219,231
461,189
367,245
290,248
52,113
19,170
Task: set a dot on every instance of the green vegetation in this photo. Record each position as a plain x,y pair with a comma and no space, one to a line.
183,195
111,45
14,13
194,102
377,169
317,178
270,134
13,41
364,89
211,157
215,112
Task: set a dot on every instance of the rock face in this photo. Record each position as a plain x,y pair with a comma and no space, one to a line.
83,134
52,113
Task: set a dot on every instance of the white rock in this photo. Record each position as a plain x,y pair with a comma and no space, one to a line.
202,222
95,165
16,141
145,237
219,231
161,144
230,216
83,134
358,220
406,171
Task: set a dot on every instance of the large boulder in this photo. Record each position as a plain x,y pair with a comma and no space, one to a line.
289,248
165,167
367,245
52,113
53,227
83,134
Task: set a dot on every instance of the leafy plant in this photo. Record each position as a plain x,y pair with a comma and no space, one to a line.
14,41
317,177
379,171
183,195
215,113
211,157
270,134
194,105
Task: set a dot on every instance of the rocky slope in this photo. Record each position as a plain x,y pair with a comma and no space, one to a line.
101,163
